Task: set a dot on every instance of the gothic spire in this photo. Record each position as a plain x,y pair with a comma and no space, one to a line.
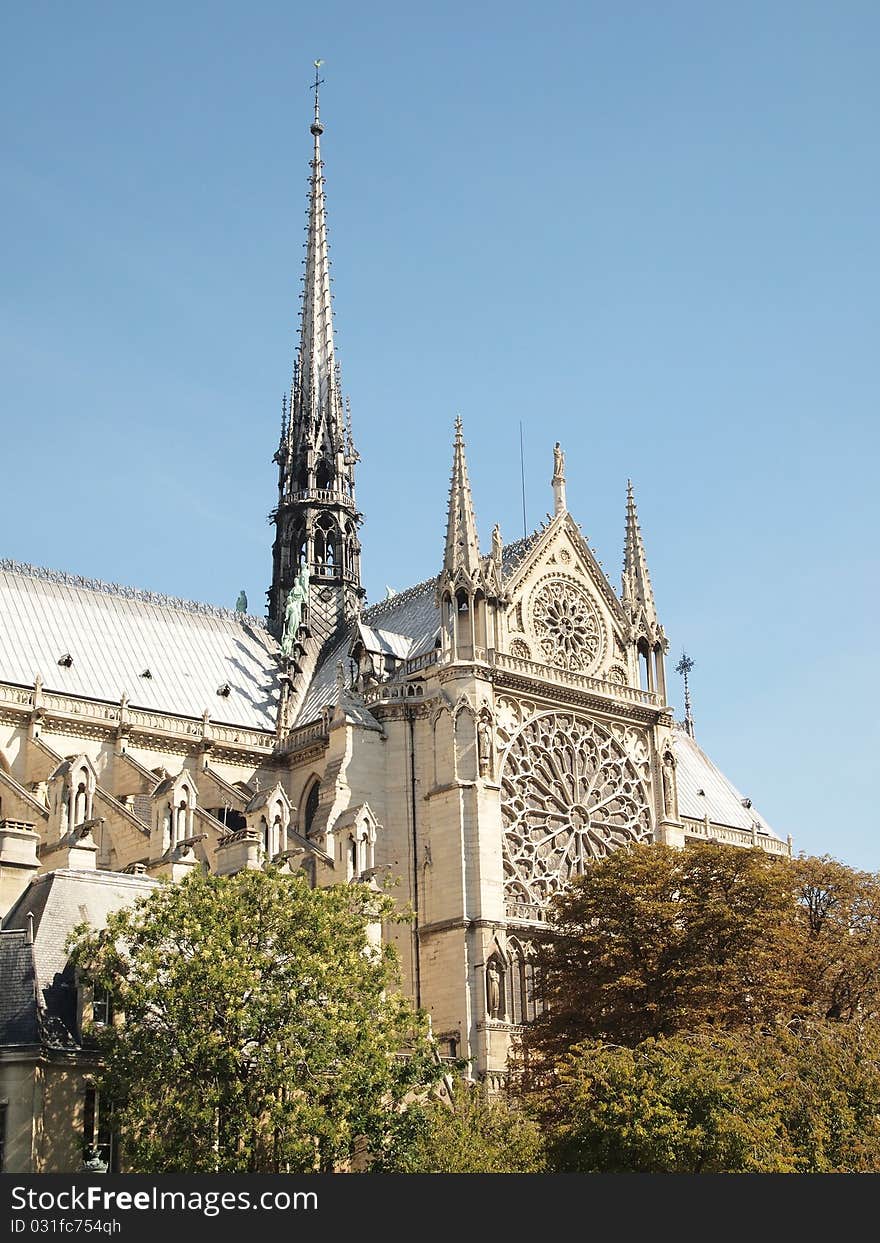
462,557
316,519
637,590
318,397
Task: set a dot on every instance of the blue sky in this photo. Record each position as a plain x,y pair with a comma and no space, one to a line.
648,231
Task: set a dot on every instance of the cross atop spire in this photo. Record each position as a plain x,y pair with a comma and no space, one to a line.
317,127
684,667
462,557
637,590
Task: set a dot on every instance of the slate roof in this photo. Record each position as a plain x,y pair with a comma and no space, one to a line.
114,633
703,788
58,901
19,1023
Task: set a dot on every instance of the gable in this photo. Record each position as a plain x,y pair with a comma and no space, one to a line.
562,609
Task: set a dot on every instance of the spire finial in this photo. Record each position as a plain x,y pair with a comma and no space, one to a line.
684,666
317,128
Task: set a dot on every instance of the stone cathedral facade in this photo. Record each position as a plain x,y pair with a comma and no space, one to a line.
478,738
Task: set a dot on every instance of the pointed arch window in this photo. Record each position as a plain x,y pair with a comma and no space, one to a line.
326,545
525,1000
311,807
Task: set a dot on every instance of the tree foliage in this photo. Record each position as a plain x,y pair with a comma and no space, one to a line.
465,1131
804,1099
710,1009
652,941
262,1027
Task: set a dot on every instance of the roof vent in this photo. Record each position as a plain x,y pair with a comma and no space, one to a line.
703,792
146,674
66,660
225,690
746,802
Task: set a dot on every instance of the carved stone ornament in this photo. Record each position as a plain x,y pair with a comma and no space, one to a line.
566,625
570,792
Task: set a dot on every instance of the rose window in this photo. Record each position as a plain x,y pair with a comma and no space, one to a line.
567,626
569,794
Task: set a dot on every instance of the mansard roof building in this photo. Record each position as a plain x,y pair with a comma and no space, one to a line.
480,736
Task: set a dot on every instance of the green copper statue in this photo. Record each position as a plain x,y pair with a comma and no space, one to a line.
241,602
297,598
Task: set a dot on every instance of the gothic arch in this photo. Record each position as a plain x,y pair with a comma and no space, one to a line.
309,803
524,1003
327,545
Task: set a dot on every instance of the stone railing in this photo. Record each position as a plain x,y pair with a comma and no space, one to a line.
321,496
241,736
303,737
525,912
735,837
576,681
387,692
18,695
135,718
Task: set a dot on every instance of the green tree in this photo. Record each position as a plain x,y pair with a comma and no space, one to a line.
262,1028
839,938
652,941
794,1100
465,1131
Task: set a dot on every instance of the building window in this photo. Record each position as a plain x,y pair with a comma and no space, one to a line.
311,808
98,1137
102,1008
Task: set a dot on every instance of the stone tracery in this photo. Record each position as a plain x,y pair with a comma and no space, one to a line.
566,625
569,793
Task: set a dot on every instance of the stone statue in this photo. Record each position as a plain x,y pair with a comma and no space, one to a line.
241,602
497,544
293,611
484,745
558,462
669,784
493,989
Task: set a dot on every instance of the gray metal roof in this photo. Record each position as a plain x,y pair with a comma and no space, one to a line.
406,624
59,901
113,634
703,789
322,688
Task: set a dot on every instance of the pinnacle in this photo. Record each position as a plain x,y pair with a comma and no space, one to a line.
462,544
636,584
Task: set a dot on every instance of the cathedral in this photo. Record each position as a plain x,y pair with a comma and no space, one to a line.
476,738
